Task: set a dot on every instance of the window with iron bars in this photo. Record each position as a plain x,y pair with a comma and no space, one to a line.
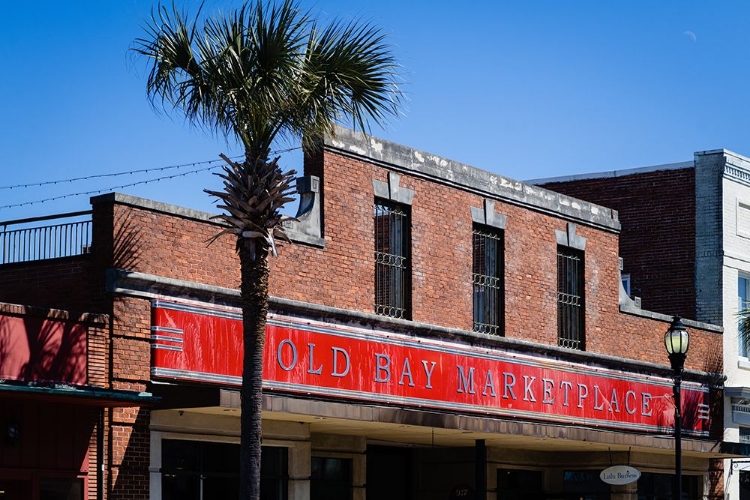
392,266
570,298
487,277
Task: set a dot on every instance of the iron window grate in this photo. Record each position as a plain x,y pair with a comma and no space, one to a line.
570,298
487,279
392,274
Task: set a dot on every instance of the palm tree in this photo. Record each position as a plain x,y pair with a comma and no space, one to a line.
743,327
261,73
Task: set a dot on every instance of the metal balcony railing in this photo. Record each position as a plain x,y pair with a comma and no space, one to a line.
40,238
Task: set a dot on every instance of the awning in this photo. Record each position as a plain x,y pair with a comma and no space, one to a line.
735,449
83,395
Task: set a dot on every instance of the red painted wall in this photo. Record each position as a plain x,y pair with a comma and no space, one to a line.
50,438
37,349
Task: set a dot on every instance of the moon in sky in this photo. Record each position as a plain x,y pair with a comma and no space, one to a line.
690,35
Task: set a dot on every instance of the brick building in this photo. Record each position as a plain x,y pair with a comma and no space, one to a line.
685,244
436,331
54,393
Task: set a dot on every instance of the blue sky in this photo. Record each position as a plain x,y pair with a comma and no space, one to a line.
524,89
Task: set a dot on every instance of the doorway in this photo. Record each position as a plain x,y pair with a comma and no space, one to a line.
389,473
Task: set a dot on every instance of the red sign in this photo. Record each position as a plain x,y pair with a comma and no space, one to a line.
201,344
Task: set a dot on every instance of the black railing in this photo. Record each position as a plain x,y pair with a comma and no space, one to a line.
26,240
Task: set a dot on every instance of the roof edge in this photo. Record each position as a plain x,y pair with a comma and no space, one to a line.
614,173
442,170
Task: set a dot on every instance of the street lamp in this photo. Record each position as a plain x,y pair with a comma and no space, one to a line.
677,341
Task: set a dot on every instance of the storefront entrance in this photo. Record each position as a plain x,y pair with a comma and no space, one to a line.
205,470
389,473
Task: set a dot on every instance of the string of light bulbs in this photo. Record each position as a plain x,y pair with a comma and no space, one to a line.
112,174
213,164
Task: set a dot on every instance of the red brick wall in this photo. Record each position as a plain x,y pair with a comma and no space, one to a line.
658,208
63,283
173,247
129,454
98,359
131,370
341,275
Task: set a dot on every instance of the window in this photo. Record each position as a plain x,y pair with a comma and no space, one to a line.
626,283
570,298
516,483
744,434
743,303
744,485
743,219
274,473
487,276
202,470
331,479
390,473
56,488
585,484
652,486
392,273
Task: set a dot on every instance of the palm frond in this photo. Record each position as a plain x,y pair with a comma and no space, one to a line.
349,72
743,328
264,71
251,201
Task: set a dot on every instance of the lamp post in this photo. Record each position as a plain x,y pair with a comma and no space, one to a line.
677,341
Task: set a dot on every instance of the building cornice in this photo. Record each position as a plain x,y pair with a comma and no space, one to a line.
428,166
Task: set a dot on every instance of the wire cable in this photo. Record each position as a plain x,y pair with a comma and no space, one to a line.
132,184
131,172
99,191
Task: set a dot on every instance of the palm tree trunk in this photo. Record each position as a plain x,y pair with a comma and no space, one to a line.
254,291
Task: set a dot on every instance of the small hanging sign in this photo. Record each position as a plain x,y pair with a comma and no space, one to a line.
620,474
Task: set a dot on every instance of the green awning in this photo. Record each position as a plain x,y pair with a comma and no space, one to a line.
85,395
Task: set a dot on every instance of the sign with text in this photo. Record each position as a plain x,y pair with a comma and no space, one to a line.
205,344
620,475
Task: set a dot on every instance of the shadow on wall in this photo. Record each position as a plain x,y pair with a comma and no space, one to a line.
42,350
127,245
129,475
